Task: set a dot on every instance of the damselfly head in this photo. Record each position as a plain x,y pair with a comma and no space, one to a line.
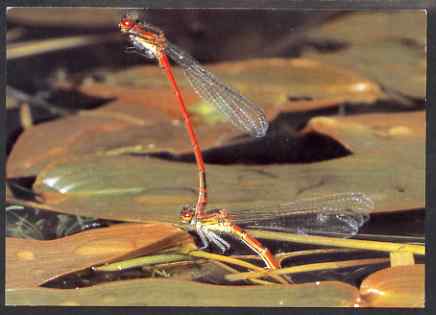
133,25
126,24
186,214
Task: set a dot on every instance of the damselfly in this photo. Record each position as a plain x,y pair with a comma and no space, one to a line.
340,214
150,42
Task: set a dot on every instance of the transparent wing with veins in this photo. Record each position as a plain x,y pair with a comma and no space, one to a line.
243,113
342,214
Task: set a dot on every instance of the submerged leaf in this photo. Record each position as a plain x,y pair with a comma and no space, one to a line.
35,223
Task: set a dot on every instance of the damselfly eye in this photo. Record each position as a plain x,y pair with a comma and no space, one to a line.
126,23
186,213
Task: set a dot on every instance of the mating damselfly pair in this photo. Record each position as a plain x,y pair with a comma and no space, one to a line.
342,213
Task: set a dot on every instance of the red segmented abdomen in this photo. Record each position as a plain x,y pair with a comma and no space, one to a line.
256,246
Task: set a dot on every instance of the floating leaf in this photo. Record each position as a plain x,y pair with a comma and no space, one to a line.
402,70
30,263
135,188
155,292
377,26
36,47
400,286
378,142
112,130
268,82
146,117
376,133
65,17
390,50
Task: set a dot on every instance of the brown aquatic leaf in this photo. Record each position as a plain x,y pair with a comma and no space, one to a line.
391,143
391,50
66,17
375,133
151,189
270,83
377,26
111,130
396,141
157,292
400,286
403,70
36,47
14,34
138,189
113,127
274,83
145,118
30,263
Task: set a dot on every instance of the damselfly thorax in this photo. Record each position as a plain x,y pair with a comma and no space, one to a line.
212,225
